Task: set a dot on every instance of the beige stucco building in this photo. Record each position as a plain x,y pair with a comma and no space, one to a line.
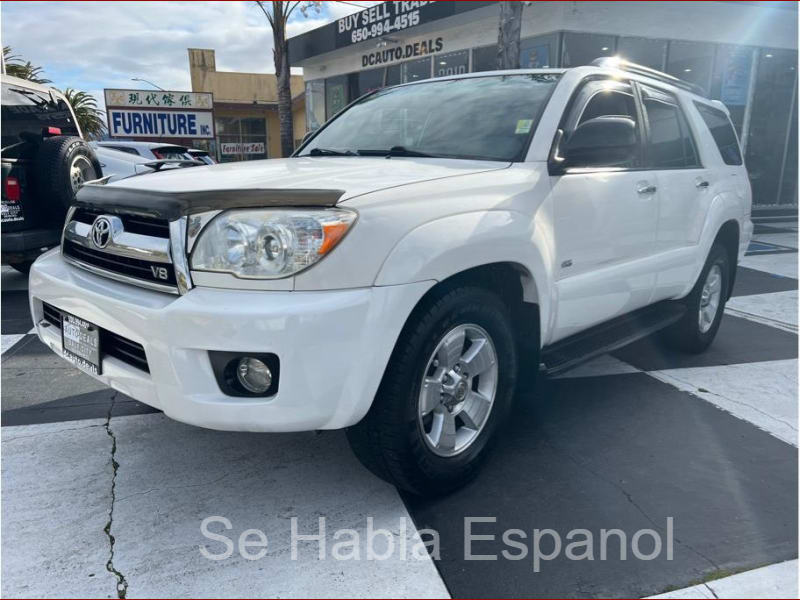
245,108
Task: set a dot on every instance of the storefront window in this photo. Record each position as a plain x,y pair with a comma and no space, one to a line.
484,59
643,51
583,48
335,95
731,81
691,61
417,70
539,52
241,138
315,104
770,132
452,63
788,187
367,81
393,75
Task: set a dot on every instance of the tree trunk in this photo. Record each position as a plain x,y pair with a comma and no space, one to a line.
508,35
281,55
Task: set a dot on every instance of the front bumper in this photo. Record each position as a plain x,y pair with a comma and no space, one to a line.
333,345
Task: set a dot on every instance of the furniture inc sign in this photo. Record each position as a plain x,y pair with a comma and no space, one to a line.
159,114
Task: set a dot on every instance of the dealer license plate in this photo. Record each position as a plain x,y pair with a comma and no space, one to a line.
80,341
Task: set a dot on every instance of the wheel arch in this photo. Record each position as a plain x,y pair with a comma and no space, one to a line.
516,287
728,237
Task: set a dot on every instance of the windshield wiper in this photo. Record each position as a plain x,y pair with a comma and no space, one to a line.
329,152
396,151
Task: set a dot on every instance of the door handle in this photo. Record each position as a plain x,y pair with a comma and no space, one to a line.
701,185
646,188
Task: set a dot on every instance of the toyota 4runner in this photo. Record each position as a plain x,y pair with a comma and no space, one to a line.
430,245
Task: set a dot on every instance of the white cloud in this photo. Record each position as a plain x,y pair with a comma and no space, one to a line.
96,45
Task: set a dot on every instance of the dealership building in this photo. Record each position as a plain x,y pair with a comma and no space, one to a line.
742,53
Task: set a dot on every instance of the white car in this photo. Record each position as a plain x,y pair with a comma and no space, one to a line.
118,165
148,150
424,250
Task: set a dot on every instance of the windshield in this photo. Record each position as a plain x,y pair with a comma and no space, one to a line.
484,118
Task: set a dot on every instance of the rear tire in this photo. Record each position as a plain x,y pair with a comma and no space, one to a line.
406,438
705,305
63,164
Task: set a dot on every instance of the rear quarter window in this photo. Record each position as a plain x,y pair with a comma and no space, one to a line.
723,133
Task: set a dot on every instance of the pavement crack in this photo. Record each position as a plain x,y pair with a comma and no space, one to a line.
122,583
710,589
630,500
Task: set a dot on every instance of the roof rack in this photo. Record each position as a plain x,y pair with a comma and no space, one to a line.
624,65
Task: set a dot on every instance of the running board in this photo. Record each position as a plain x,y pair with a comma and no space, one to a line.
570,352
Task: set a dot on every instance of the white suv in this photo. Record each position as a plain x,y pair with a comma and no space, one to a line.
426,248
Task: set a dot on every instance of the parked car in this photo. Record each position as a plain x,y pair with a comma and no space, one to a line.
44,162
149,150
202,156
418,255
117,164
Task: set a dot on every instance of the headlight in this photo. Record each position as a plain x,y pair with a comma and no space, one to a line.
269,244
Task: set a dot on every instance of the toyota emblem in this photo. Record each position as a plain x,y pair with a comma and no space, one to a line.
101,232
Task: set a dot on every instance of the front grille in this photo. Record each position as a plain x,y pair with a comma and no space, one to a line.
51,314
130,267
111,344
133,223
123,349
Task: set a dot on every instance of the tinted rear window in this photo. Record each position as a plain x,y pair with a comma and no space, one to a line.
25,112
723,133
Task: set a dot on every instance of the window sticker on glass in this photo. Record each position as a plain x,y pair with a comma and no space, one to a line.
524,126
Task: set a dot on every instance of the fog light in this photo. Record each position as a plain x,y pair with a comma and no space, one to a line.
253,375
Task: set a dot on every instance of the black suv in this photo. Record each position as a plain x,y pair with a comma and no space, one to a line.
45,160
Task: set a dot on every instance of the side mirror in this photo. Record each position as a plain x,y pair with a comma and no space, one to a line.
601,142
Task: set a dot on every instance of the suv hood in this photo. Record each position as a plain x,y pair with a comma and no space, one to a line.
352,175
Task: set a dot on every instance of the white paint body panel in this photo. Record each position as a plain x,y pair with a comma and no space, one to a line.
419,222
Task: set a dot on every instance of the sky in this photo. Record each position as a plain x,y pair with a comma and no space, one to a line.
90,46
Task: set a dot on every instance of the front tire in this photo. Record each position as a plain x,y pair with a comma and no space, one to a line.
705,305
446,389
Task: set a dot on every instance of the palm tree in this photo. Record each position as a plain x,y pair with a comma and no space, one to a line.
90,118
508,36
24,70
278,16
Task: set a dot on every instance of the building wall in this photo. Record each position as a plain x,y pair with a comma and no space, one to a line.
712,22
248,96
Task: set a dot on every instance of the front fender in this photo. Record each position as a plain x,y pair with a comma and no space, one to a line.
444,247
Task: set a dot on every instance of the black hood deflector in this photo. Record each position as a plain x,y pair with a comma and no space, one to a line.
173,205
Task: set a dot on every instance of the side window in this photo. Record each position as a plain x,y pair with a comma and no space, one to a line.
723,133
604,100
669,144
